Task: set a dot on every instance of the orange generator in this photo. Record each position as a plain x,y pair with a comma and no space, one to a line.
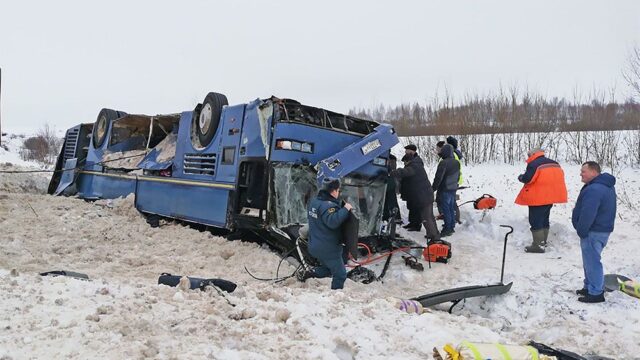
437,251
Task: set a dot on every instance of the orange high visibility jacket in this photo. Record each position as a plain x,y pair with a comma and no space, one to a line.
544,182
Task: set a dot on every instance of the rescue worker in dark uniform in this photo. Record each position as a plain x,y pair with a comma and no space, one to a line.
325,220
418,192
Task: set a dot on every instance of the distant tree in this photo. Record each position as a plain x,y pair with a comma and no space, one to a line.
43,147
632,72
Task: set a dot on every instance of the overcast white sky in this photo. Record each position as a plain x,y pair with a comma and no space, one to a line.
64,60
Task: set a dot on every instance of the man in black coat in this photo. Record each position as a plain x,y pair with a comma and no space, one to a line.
417,191
445,182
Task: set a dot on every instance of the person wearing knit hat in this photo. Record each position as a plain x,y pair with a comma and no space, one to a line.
454,143
457,155
330,184
445,182
326,216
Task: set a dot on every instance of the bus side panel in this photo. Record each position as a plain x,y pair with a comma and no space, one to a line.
107,186
184,146
199,204
228,152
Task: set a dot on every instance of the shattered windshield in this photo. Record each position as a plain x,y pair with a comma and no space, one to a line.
295,185
367,197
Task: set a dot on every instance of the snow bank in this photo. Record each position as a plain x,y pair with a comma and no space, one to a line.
121,312
10,161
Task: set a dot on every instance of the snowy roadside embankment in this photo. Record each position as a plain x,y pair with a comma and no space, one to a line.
122,312
10,161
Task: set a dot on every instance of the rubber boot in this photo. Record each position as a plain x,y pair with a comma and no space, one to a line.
546,236
538,240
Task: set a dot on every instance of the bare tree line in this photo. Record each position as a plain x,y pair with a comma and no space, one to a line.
502,127
612,149
512,111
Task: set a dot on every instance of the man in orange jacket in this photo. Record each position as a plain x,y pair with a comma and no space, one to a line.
543,186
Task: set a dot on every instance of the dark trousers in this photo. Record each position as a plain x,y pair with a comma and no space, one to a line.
390,201
415,214
429,221
539,217
331,265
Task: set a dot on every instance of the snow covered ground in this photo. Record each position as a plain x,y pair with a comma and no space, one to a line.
10,151
122,312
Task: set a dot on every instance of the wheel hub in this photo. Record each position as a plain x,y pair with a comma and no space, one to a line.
101,128
205,118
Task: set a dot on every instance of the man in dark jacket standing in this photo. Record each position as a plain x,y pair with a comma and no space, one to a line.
325,220
417,192
593,218
445,182
457,154
415,219
407,190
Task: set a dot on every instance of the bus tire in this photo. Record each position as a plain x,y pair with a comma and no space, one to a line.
102,124
206,121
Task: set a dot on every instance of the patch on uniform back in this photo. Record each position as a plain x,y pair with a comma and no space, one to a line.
331,210
313,213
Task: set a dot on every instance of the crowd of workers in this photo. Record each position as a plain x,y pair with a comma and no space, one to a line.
418,192
543,186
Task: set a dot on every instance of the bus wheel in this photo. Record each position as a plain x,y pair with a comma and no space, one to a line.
207,120
101,126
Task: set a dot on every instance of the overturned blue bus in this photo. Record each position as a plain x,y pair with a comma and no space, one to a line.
245,168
